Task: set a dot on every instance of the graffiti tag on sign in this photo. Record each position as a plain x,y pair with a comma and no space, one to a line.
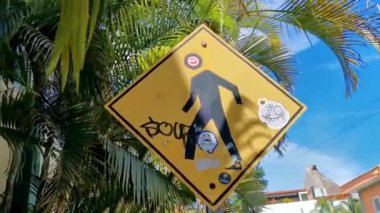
176,130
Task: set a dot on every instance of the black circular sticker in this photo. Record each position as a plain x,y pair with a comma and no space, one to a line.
224,178
193,61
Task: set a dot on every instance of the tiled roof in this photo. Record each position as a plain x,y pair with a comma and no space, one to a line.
284,193
362,180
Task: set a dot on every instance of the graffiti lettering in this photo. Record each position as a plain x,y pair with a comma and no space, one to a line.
177,130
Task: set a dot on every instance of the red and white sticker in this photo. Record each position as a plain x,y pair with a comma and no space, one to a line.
193,61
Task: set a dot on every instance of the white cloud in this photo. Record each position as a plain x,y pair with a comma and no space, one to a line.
336,65
286,173
370,58
297,43
332,65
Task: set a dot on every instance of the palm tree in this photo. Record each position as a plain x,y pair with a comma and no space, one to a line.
248,196
62,60
352,206
348,206
326,206
340,25
67,153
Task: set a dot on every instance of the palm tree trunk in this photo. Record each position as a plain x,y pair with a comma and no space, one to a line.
21,189
44,172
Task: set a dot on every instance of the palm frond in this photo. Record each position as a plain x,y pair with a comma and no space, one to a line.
72,36
25,58
95,81
11,19
102,195
16,130
147,186
15,118
37,46
18,76
250,191
142,29
210,12
339,25
325,206
352,205
280,146
70,147
276,60
154,32
234,8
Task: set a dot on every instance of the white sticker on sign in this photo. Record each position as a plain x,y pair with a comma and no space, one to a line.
273,114
207,141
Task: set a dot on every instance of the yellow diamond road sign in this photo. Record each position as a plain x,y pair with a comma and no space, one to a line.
208,112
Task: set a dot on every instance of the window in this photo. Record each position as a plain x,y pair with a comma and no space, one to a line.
303,196
376,204
319,192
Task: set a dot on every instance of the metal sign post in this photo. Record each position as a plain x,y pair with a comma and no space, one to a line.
219,210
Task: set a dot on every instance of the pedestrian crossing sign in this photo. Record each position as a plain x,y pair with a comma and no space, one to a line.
208,113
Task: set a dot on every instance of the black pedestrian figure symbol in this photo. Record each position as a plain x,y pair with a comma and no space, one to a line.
205,86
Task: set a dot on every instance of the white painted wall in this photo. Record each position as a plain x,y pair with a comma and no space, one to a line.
293,207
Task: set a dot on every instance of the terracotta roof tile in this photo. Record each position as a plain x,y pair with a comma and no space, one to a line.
361,180
285,192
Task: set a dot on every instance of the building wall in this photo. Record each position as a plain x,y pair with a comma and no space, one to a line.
4,159
366,196
4,156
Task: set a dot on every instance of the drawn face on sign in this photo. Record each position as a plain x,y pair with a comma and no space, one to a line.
274,114
207,141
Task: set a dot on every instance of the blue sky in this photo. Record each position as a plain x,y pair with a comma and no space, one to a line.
338,134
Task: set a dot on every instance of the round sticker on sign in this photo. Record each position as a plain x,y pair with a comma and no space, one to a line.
224,178
207,141
273,114
193,61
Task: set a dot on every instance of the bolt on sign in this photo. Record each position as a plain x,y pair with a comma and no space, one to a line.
208,112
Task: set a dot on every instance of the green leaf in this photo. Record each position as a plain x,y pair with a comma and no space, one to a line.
250,192
94,17
73,35
148,186
63,34
11,19
275,59
65,66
